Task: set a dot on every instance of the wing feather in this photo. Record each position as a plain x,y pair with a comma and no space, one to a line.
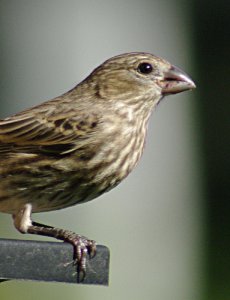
34,130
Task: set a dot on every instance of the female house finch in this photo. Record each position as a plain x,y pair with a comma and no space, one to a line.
75,147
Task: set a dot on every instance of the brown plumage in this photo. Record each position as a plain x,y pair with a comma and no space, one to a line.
77,146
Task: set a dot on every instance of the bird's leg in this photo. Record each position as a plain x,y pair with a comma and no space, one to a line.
82,246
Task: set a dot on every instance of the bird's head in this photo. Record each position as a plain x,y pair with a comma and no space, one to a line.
138,75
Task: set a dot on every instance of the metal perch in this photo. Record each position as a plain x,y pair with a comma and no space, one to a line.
49,261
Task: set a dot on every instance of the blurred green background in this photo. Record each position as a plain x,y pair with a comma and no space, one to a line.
167,226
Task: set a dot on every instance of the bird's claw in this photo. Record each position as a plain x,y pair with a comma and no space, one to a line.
82,248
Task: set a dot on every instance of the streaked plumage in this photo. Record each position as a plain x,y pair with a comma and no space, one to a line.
77,146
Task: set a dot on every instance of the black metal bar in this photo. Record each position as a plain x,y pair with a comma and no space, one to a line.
49,261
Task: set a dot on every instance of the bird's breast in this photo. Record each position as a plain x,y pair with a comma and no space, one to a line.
119,153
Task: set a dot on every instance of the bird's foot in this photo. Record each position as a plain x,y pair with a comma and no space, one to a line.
82,248
82,245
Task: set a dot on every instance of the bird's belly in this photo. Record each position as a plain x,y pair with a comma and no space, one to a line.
56,184
52,190
45,194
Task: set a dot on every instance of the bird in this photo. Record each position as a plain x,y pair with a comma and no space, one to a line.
75,147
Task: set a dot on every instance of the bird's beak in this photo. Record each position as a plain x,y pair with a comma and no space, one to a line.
176,81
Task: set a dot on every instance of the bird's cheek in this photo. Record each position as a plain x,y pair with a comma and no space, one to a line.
121,89
156,89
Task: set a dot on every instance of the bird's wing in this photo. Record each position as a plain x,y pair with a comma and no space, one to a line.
56,132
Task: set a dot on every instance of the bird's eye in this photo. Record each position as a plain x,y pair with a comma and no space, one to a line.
145,68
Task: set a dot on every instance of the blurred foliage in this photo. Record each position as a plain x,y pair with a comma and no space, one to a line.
212,27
